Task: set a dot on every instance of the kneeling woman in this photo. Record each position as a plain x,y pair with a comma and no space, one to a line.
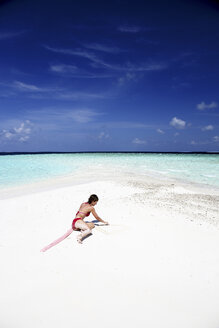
78,223
85,210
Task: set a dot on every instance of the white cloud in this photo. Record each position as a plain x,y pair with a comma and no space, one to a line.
103,48
19,129
203,105
139,141
160,131
7,134
62,68
33,91
77,52
79,95
216,138
129,29
208,128
23,139
103,135
177,123
26,87
27,130
24,127
98,62
9,35
206,142
142,67
127,78
20,133
128,125
36,92
83,115
61,117
78,73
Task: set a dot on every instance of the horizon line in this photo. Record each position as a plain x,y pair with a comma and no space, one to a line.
108,152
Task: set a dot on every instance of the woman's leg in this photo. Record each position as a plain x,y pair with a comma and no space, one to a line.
85,228
91,225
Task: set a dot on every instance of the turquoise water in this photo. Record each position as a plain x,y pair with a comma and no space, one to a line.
23,169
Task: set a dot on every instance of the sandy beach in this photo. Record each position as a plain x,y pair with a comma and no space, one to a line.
156,264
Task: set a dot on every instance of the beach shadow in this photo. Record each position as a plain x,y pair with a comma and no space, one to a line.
109,229
96,222
87,236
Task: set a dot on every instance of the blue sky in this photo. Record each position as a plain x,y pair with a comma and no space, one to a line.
109,75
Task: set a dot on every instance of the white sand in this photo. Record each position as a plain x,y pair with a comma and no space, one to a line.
156,265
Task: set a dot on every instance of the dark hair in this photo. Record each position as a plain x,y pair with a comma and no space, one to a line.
93,198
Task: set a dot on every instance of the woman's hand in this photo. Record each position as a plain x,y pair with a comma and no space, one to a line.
106,223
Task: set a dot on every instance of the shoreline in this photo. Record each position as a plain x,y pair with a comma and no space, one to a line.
81,177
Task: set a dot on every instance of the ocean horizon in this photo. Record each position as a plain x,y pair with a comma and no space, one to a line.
113,152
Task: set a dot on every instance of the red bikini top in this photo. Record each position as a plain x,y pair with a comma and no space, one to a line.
83,213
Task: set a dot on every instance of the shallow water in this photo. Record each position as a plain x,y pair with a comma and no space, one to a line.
24,169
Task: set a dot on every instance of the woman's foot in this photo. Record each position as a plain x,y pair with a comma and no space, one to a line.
79,239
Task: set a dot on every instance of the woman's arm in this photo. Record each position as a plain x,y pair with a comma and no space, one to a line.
97,217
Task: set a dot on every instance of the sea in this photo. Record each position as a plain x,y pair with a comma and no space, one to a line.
23,169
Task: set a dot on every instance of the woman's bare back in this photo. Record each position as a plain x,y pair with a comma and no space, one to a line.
84,209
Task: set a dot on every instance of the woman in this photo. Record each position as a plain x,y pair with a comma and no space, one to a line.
85,210
78,223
